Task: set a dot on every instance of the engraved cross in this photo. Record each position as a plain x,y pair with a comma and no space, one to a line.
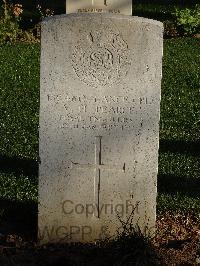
97,167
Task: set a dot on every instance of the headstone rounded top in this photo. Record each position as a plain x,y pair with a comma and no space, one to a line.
106,15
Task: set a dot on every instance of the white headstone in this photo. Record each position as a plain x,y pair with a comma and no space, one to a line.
99,125
123,7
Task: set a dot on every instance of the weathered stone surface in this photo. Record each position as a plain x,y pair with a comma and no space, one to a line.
99,125
123,7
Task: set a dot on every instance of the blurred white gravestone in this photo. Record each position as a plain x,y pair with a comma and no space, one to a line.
123,7
99,125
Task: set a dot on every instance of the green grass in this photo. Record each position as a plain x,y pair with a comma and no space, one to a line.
19,118
19,100
18,188
180,112
179,162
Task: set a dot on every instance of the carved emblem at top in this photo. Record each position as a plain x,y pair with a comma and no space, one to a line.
100,56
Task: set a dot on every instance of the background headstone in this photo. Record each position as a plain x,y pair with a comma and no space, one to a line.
99,125
112,6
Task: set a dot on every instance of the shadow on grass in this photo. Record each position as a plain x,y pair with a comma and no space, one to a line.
18,218
30,167
19,166
172,185
182,147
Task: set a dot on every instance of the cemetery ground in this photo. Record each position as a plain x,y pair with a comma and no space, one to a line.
177,241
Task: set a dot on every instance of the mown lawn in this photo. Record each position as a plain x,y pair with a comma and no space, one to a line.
179,162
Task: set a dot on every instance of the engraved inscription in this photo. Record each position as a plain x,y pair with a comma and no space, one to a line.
106,112
100,56
98,10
